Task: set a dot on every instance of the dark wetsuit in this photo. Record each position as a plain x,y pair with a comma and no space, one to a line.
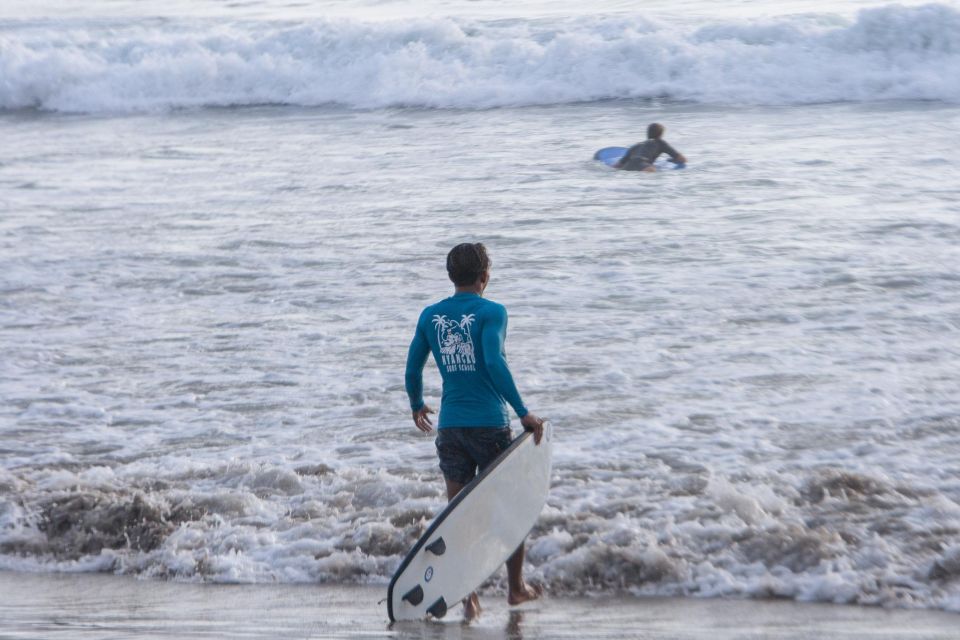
643,154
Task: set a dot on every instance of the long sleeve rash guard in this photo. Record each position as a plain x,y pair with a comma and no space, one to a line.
466,334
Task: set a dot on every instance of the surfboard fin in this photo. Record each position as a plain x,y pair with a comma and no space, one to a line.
437,547
414,596
438,609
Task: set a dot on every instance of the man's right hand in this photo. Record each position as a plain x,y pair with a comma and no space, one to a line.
533,423
421,418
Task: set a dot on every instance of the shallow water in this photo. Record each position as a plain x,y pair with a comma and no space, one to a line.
750,362
101,607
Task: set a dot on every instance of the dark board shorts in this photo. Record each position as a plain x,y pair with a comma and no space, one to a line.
464,451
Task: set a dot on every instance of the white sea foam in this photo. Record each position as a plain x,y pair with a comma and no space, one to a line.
838,537
888,53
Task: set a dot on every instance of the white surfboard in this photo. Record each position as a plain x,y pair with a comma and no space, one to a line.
476,533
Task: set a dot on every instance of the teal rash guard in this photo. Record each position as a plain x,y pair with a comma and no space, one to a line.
466,335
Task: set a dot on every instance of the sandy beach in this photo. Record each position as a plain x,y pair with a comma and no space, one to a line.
97,606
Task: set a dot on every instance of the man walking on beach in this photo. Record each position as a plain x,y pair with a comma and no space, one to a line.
466,334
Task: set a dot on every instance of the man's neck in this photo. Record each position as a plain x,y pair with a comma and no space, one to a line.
470,289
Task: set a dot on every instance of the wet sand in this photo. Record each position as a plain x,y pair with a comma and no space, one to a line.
104,607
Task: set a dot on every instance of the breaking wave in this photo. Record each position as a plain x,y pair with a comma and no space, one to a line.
887,53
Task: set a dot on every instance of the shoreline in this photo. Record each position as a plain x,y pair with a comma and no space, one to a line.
107,606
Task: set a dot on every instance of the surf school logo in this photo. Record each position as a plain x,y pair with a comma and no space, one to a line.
456,343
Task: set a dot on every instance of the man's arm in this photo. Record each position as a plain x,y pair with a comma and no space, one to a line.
675,155
494,335
413,378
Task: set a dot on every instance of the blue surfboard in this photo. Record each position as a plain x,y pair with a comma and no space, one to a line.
611,155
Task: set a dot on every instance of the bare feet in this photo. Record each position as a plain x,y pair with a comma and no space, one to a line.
471,607
526,593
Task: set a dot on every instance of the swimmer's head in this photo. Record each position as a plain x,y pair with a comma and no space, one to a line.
655,130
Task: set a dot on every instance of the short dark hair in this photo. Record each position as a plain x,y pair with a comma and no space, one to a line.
467,262
655,130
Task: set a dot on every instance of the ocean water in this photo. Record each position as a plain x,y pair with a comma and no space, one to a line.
219,223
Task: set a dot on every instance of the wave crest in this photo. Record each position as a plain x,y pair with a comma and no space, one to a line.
888,53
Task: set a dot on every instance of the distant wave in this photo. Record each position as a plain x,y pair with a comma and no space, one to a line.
888,53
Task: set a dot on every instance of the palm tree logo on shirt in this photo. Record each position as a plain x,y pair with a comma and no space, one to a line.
455,339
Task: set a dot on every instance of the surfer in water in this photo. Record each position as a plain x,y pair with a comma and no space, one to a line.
641,156
465,333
